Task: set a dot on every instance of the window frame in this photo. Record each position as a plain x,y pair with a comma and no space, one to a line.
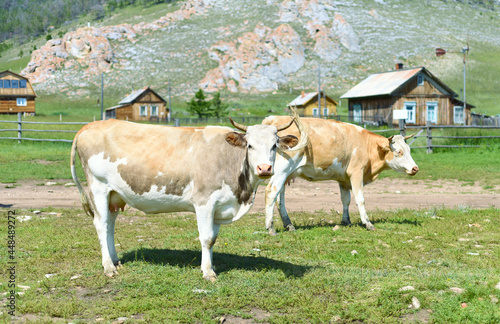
14,84
326,112
315,112
411,112
455,120
433,104
6,84
151,110
21,102
143,111
420,80
23,84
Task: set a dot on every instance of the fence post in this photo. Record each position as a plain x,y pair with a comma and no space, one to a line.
429,138
19,128
177,122
402,127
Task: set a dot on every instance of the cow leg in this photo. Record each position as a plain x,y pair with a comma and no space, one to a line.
273,189
111,239
208,235
287,223
357,189
345,196
104,224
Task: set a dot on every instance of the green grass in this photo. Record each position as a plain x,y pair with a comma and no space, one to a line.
309,276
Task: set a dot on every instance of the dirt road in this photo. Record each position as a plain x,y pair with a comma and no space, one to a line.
384,194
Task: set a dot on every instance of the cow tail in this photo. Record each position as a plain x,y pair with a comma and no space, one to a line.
304,137
84,199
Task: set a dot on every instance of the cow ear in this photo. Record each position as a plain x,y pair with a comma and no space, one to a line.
236,139
287,142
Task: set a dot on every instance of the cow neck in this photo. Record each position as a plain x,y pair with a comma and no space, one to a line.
378,156
247,183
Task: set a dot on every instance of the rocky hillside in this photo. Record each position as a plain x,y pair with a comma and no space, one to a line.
242,46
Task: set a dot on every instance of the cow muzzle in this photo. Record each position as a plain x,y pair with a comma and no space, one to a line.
264,170
413,171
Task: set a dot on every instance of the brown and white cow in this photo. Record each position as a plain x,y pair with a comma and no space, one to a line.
211,171
337,151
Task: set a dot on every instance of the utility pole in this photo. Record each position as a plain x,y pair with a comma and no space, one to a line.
464,51
102,95
169,102
319,89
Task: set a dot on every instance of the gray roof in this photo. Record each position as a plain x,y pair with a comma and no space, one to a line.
134,95
302,100
386,83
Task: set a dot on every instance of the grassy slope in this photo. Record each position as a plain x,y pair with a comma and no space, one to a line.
310,276
175,53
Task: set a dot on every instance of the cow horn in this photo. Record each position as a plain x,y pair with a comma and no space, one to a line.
282,127
390,138
238,126
409,136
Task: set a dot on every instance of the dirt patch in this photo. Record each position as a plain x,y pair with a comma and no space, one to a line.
383,194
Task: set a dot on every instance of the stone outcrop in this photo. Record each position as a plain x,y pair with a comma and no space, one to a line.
89,48
257,61
346,34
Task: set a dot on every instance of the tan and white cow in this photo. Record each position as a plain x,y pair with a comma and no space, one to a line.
337,151
211,171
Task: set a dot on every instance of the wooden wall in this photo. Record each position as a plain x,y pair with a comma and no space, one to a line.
9,105
307,109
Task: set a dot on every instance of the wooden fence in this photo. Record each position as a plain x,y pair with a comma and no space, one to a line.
427,132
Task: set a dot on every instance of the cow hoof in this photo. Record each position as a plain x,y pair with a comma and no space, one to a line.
272,232
290,228
111,274
211,278
346,223
370,227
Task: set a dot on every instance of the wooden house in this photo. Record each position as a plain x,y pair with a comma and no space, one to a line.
307,105
419,92
142,105
16,94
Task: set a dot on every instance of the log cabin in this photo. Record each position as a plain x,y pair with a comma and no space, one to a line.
425,98
141,105
307,105
16,94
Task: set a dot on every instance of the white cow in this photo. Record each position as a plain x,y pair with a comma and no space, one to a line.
337,151
211,171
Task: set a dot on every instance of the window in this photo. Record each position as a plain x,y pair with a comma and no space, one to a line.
21,101
154,110
411,108
315,112
356,113
420,80
15,84
432,112
325,112
6,83
143,110
1,84
22,84
458,115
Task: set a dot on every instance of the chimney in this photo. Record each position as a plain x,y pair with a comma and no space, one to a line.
303,94
399,66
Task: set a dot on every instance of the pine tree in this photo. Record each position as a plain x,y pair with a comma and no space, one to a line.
199,105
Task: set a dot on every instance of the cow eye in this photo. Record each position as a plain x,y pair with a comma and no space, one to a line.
250,147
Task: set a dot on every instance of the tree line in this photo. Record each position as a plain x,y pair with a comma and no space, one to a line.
23,19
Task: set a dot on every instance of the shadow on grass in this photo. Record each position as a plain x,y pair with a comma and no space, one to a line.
222,261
